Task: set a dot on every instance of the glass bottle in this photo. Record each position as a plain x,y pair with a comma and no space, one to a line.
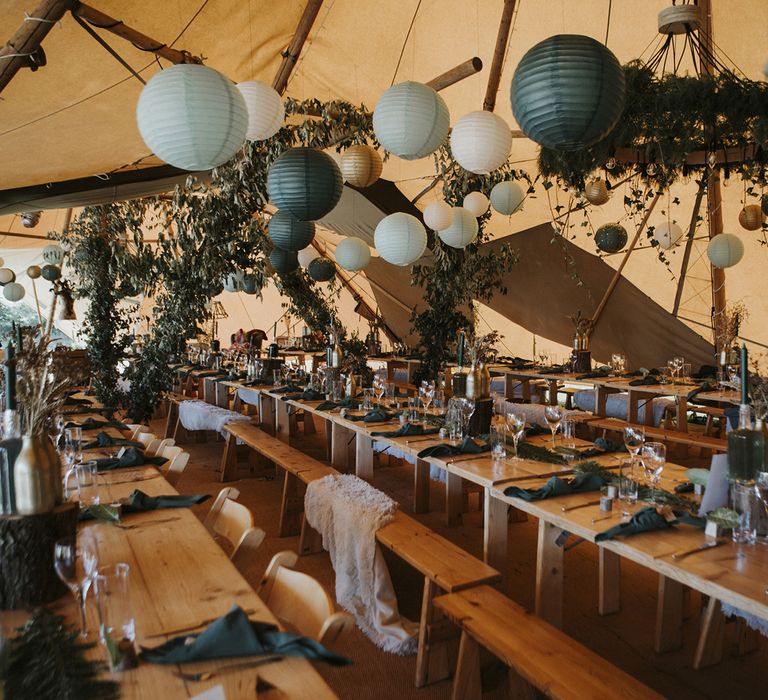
746,448
10,445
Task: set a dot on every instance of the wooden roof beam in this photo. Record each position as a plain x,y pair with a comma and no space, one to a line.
502,39
292,53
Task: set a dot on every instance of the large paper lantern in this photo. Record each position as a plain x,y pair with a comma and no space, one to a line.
51,272
249,283
725,250
611,238
481,142
7,275
321,270
53,254
307,255
476,203
751,217
289,233
568,92
13,291
305,183
400,238
192,116
233,282
764,205
411,120
34,272
438,215
266,111
284,261
462,231
667,234
353,254
361,165
507,197
596,192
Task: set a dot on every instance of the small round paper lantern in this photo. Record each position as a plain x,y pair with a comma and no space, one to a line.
764,207
481,142
13,291
34,272
192,117
751,217
321,270
725,250
667,234
353,254
7,275
596,192
233,282
476,203
266,111
361,165
568,92
507,197
307,255
611,238
284,261
400,239
438,215
51,273
462,231
305,183
411,120
2,262
53,254
290,234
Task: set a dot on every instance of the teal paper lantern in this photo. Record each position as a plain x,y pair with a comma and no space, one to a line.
249,283
765,204
568,92
321,270
284,261
51,273
305,183
289,233
611,238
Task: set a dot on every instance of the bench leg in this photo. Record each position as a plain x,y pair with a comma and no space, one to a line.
267,413
747,639
609,600
285,422
466,682
172,419
432,657
310,540
519,688
669,615
229,459
364,457
549,575
291,508
495,533
421,487
454,499
709,648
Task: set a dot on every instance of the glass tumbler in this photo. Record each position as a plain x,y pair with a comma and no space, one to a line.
117,628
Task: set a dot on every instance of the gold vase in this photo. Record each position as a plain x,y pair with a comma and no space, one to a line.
474,383
35,493
57,482
485,381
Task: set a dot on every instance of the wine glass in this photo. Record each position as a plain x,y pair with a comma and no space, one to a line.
634,439
379,387
74,443
553,416
516,428
65,554
654,459
426,394
90,558
467,410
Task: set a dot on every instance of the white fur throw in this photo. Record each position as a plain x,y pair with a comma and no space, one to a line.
199,415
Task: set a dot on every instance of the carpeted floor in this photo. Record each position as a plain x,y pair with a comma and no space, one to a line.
626,638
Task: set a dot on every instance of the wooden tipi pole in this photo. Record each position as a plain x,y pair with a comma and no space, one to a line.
502,39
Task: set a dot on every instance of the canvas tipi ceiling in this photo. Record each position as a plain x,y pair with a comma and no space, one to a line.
74,118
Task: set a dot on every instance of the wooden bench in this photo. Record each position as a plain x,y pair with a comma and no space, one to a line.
173,400
539,656
663,434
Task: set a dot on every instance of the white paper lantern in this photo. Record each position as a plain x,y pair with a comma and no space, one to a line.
507,197
13,291
266,111
192,117
307,255
438,215
400,238
34,272
481,142
353,254
234,281
2,262
667,234
361,165
411,120
462,231
53,254
725,250
7,275
476,203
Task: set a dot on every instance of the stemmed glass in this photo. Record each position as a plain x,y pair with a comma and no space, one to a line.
467,410
426,394
65,555
654,459
73,445
634,439
516,428
379,387
553,415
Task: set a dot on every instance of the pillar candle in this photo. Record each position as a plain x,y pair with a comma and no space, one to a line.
744,375
460,352
10,377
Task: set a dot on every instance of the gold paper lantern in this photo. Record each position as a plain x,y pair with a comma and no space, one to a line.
751,217
361,165
596,192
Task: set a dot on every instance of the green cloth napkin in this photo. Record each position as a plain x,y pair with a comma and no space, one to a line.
377,415
140,502
346,403
287,389
467,447
599,373
645,520
130,458
647,380
407,429
582,483
235,635
306,395
556,369
258,382
105,440
92,424
706,385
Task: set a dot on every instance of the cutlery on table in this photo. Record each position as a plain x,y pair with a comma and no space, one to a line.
711,544
145,523
607,516
207,675
423,438
467,458
565,509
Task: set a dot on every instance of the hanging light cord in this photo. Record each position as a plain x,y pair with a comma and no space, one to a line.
405,43
608,23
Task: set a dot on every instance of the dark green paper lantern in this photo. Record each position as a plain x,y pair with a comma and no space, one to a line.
611,238
568,92
765,204
305,183
289,233
51,273
249,284
321,270
284,261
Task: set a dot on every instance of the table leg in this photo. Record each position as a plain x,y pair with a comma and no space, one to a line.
284,422
466,682
609,597
709,649
601,396
364,456
421,486
552,392
229,459
267,413
222,395
453,499
632,409
495,533
682,414
328,440
669,615
339,450
549,575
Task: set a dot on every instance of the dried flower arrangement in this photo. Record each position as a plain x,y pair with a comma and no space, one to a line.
727,326
481,347
582,324
758,387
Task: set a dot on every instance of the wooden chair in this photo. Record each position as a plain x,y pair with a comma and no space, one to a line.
170,451
145,439
234,522
300,601
157,446
176,468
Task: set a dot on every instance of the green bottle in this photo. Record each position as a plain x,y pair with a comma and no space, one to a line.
746,448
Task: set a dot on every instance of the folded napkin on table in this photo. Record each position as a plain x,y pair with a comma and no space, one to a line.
235,635
306,395
130,458
258,382
555,369
139,502
647,520
705,372
377,415
287,389
105,440
599,373
407,429
706,385
582,483
647,380
536,429
467,447
92,424
346,403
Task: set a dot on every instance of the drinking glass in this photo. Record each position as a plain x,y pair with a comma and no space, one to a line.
367,399
628,487
498,440
74,442
65,556
761,492
664,375
553,416
338,390
618,364
85,475
685,371
744,498
654,459
454,420
116,622
568,429
467,410
634,439
516,428
379,387
426,394
276,377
